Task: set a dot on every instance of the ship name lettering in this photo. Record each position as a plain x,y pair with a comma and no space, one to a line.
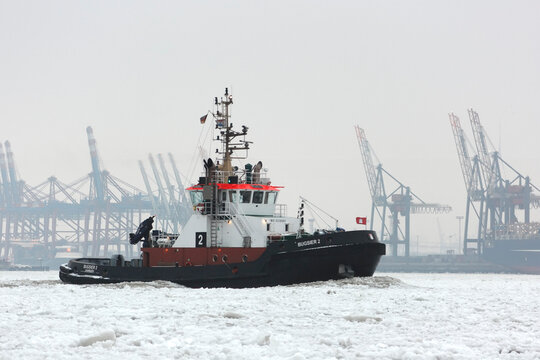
89,268
309,242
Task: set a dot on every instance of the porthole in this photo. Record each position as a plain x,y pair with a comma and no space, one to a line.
214,258
224,258
244,258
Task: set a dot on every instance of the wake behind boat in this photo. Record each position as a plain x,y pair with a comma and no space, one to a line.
237,235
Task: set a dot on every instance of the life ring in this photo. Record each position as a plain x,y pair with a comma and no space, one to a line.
199,207
188,263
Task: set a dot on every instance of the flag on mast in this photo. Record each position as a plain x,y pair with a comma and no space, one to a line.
203,119
361,220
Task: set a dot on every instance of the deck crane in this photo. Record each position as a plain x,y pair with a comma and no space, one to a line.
400,201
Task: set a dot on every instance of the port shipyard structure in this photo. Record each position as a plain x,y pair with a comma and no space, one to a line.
499,234
390,197
94,215
91,216
498,223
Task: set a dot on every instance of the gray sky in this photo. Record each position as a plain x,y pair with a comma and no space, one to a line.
303,73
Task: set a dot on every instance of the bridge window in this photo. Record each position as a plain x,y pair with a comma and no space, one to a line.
224,196
196,197
245,197
270,197
232,196
258,197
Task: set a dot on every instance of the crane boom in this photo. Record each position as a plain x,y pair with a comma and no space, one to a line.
161,189
165,174
148,187
480,139
425,208
96,169
5,176
463,153
15,193
173,204
181,187
399,201
368,161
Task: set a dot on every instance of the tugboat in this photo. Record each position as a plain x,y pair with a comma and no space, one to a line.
237,235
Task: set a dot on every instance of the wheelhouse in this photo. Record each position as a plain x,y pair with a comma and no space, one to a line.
248,199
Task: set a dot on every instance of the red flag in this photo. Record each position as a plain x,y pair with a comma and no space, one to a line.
361,220
203,119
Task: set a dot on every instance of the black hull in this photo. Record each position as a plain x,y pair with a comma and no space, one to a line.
521,256
319,258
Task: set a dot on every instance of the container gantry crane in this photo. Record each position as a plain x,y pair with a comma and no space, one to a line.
494,198
42,221
399,201
170,204
471,169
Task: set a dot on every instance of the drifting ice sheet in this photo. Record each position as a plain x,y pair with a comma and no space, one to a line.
401,316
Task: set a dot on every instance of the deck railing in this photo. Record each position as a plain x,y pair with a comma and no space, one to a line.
244,177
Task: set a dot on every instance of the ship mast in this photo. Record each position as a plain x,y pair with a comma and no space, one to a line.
227,135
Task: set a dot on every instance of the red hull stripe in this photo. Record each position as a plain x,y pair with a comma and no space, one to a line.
239,187
527,269
198,256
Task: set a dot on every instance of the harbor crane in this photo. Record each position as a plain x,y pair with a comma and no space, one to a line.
89,217
170,204
399,201
474,184
493,198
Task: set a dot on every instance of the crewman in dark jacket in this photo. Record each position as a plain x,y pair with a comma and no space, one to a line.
143,232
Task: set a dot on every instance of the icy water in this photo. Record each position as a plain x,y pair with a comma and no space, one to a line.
389,316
